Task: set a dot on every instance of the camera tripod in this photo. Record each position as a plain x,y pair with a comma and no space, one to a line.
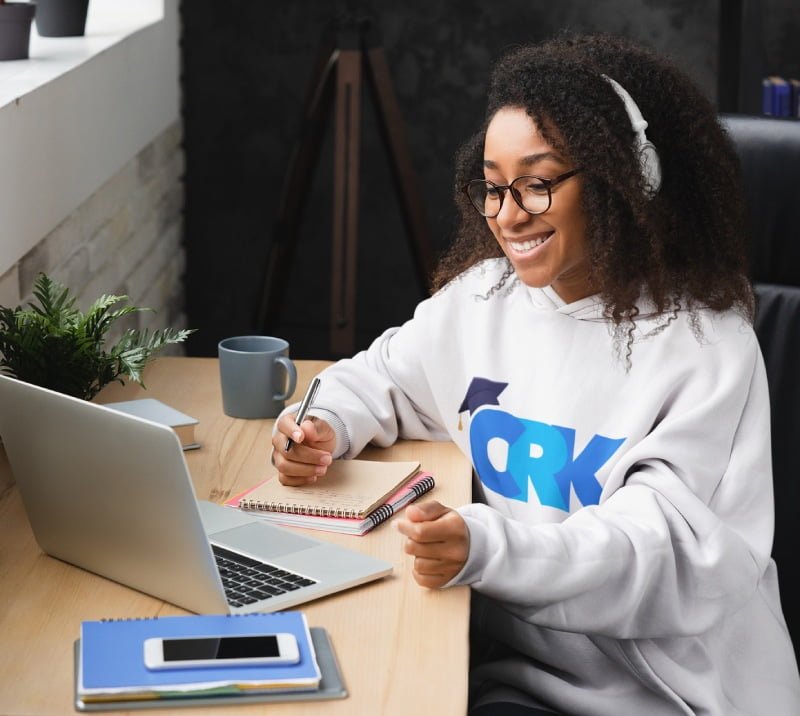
351,49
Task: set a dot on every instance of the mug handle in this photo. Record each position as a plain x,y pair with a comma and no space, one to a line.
291,373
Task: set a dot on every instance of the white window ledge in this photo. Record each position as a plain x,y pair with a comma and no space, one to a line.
78,110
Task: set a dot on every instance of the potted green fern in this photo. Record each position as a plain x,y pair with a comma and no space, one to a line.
56,346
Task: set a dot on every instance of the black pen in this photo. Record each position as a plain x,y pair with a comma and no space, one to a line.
308,399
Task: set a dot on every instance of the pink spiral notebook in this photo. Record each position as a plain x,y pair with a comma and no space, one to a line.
417,486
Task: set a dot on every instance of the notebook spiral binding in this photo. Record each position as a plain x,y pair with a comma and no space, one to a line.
297,509
384,512
147,619
380,514
424,485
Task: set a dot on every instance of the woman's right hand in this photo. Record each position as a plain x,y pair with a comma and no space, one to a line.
311,451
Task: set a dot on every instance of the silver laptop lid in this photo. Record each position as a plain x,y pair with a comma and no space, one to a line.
96,482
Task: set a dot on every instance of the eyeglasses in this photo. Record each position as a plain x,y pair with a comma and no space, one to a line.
532,194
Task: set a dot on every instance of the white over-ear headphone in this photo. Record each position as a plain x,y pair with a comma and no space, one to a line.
648,156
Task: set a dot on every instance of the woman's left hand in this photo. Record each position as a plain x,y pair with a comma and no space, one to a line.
438,539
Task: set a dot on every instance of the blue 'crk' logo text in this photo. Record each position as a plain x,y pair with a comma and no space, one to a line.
540,453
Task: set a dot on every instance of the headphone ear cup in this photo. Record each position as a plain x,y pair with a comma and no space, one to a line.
651,167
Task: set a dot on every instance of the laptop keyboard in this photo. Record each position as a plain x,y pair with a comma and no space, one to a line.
247,580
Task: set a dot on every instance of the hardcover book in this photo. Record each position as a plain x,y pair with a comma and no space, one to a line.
158,412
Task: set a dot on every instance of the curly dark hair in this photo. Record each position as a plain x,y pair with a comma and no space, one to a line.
686,246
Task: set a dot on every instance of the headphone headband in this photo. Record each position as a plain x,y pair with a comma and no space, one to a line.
648,155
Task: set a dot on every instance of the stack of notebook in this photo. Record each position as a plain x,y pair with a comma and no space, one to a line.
112,670
353,497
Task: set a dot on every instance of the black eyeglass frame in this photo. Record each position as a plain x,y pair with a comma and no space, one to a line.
549,184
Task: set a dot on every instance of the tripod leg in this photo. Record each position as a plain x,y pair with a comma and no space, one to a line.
396,142
301,164
345,200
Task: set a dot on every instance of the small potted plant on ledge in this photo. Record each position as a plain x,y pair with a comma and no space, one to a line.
56,346
15,29
61,18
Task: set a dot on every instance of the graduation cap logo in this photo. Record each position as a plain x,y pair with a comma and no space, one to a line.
481,391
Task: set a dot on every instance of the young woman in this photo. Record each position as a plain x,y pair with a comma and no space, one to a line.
589,346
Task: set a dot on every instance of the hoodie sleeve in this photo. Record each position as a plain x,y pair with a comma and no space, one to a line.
395,388
682,542
383,393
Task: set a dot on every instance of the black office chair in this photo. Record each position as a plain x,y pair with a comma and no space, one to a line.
778,329
769,152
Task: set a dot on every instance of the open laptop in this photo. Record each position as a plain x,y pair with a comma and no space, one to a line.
111,493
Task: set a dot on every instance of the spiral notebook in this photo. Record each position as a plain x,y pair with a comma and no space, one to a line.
417,486
111,664
109,655
350,489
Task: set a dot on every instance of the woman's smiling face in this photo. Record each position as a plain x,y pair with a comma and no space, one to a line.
547,249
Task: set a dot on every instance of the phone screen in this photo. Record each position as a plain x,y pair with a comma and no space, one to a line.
229,647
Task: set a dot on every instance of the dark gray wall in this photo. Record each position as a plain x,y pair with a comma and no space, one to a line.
246,70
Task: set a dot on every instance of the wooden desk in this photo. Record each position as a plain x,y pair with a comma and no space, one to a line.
401,648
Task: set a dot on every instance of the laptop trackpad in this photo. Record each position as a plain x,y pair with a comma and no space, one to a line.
262,541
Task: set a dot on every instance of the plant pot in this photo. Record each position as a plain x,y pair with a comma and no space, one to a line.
61,18
15,30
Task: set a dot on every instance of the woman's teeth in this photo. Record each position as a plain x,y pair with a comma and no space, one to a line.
522,246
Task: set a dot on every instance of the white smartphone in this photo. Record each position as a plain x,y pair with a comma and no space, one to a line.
228,650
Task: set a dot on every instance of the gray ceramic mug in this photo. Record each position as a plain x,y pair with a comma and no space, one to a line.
256,374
